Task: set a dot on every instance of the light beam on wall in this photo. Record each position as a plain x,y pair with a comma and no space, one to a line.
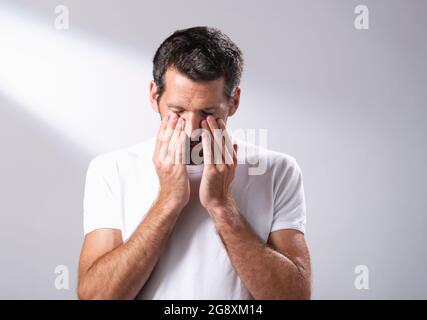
91,92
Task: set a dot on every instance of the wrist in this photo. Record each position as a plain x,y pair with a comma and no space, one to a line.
225,206
169,203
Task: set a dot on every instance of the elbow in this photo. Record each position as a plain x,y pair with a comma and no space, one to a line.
302,288
301,285
297,294
299,289
85,292
304,293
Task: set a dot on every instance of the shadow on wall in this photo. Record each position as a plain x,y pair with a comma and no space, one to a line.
42,183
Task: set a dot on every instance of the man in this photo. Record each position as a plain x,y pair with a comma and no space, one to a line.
160,227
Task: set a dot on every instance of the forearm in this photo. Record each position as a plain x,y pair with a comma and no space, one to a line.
266,273
122,272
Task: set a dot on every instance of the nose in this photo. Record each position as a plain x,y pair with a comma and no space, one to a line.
192,122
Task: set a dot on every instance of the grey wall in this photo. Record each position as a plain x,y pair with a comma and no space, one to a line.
349,105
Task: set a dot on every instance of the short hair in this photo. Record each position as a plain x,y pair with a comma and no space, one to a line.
202,54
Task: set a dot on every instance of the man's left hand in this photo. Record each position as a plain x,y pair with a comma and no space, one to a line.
220,161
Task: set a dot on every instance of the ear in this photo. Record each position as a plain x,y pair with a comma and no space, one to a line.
235,101
154,96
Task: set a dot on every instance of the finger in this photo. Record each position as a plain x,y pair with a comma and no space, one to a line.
215,130
179,155
235,149
162,127
212,123
165,138
163,124
206,128
163,154
217,145
173,143
207,144
227,146
228,155
168,132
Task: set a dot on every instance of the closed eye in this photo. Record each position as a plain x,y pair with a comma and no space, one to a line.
177,111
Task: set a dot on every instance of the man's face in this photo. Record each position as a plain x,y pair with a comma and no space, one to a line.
193,101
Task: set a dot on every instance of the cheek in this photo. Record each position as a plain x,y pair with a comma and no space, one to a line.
223,113
164,111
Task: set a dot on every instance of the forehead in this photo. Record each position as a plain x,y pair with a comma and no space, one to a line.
180,89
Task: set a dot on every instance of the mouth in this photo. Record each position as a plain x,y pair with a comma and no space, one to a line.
195,141
194,144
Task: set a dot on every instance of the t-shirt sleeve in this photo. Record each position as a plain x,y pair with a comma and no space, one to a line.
289,198
101,204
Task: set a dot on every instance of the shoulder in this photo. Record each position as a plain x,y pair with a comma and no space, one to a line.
114,159
268,161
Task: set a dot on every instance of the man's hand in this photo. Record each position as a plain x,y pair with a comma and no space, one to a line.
112,269
169,162
220,160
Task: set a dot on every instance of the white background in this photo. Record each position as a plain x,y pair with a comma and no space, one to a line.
349,105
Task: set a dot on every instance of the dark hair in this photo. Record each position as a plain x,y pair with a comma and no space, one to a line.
201,53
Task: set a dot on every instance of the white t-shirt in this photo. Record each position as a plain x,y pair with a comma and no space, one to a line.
122,185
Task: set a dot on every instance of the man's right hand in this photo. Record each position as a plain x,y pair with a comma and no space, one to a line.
169,162
110,268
